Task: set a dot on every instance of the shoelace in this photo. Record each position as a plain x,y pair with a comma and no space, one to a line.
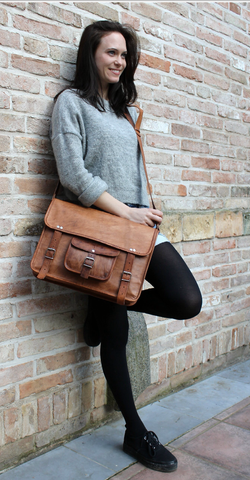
152,442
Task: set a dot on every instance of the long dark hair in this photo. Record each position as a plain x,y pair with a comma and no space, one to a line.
87,81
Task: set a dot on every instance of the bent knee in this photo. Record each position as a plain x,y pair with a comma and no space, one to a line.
193,305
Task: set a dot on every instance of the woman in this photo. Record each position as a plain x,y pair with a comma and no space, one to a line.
99,165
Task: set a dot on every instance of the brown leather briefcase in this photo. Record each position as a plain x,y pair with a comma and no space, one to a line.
93,251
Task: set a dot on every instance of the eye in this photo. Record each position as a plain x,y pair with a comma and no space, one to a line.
111,52
124,55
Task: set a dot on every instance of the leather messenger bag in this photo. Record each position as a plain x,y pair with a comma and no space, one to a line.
95,252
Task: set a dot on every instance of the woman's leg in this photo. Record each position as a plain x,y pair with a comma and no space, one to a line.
138,442
175,293
113,331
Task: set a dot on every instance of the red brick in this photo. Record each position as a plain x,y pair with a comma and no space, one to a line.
10,39
179,54
18,82
219,27
235,48
154,62
191,146
179,23
37,67
148,77
33,186
234,7
98,9
224,271
185,131
160,141
192,248
196,176
60,360
236,21
45,383
130,20
54,303
11,425
5,186
43,413
242,38
12,123
213,8
162,366
206,162
217,55
188,73
4,61
15,289
143,8
240,141
4,100
38,205
223,244
210,66
164,189
52,88
41,28
4,143
204,107
3,16
7,396
59,407
45,344
188,43
16,373
209,37
55,13
233,74
216,81
217,137
32,145
160,111
14,249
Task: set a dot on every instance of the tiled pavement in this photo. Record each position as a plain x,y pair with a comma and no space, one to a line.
206,425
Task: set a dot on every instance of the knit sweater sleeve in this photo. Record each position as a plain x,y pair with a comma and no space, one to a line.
69,145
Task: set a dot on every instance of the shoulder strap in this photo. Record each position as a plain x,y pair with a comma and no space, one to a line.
137,131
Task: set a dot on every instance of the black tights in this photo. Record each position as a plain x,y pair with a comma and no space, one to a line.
175,294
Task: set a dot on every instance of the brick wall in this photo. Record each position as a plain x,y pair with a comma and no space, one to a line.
193,84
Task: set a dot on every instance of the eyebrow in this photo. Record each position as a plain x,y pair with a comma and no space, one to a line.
116,49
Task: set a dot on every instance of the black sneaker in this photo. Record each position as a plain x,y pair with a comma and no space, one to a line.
150,452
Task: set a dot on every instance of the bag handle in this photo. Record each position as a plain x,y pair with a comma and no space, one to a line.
136,126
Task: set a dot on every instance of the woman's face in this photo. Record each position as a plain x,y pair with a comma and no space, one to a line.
110,58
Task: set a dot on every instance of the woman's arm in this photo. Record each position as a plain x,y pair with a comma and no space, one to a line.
146,216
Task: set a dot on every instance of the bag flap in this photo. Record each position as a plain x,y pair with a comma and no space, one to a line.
100,226
94,247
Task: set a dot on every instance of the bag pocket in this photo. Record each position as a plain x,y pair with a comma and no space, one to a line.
90,259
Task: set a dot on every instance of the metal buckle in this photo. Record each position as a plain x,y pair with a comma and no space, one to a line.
126,273
52,250
86,265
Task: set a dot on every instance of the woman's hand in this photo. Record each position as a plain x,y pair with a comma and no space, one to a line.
146,216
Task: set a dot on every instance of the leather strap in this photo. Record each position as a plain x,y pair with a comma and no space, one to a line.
126,277
87,265
49,255
137,131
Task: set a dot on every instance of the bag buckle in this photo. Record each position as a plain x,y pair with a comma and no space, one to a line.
126,273
86,264
53,254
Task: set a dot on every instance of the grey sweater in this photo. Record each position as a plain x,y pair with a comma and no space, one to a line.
96,152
